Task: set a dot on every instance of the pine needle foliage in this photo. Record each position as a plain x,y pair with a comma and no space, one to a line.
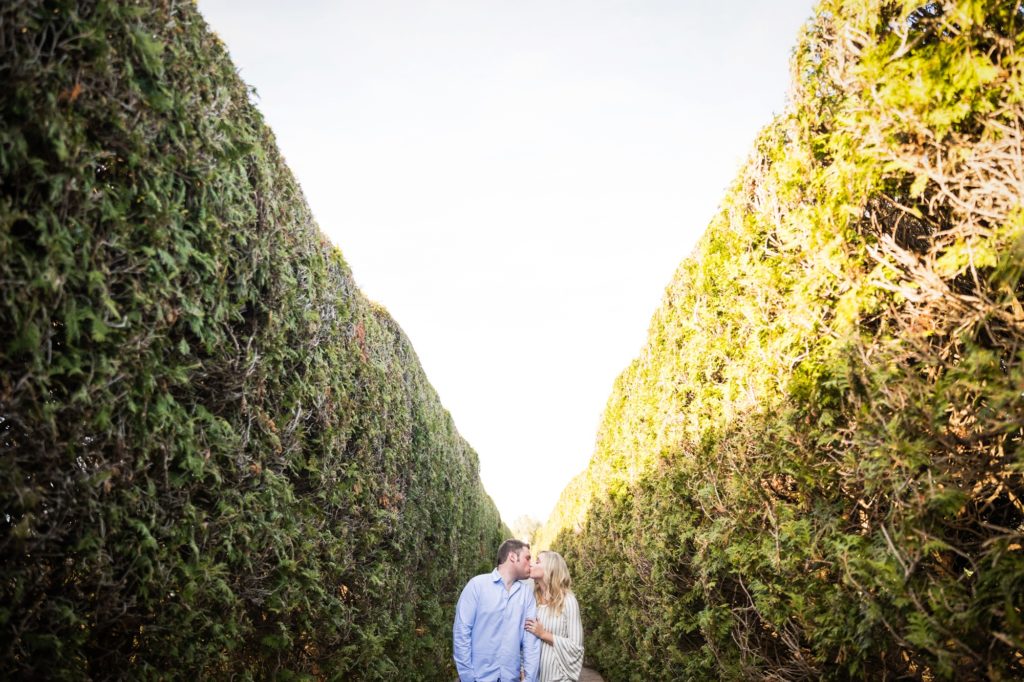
813,470
218,460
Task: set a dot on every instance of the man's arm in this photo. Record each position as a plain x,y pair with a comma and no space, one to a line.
462,632
531,645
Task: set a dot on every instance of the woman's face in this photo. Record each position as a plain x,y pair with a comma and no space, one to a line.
537,569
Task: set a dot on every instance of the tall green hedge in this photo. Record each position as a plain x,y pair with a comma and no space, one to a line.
218,460
813,470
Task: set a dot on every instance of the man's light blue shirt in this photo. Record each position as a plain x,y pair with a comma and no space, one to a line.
489,637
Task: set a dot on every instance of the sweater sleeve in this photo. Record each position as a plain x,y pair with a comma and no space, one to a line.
569,649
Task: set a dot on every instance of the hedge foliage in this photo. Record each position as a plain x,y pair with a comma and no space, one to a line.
217,458
814,467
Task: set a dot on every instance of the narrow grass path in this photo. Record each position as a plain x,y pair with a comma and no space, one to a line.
590,675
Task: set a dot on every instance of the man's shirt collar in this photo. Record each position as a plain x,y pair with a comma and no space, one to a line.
513,588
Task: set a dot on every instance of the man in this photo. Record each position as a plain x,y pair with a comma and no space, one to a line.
489,638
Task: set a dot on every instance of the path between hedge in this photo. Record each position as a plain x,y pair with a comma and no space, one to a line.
589,675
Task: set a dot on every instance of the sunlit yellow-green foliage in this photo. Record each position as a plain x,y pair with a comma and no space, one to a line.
813,469
218,460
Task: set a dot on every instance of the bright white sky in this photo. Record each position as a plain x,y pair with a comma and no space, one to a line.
516,182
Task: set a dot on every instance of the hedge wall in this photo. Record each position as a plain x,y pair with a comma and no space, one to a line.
217,458
814,467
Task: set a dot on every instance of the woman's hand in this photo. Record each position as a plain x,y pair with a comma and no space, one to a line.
534,625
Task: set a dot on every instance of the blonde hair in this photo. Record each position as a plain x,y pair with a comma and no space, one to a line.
555,584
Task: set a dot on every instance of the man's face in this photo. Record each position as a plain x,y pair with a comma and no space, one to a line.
521,563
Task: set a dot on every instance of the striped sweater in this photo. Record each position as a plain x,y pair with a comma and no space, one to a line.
563,660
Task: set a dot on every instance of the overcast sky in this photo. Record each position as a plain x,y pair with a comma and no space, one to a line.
516,182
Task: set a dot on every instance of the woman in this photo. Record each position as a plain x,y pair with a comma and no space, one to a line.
558,620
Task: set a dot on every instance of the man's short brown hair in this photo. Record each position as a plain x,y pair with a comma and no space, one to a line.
510,547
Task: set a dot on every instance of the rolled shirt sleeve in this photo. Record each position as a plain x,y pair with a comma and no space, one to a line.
462,631
569,648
